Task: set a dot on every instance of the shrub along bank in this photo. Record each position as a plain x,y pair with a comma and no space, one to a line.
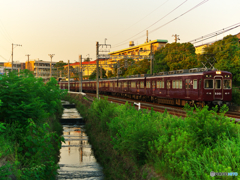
30,135
126,141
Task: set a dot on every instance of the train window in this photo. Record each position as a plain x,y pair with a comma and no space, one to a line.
194,84
173,84
119,84
208,84
63,85
125,84
218,84
133,84
83,85
187,83
111,84
168,84
177,84
141,84
153,84
180,84
158,84
162,84
106,84
227,84
73,85
148,84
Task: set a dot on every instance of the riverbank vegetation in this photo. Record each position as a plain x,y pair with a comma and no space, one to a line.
30,135
133,144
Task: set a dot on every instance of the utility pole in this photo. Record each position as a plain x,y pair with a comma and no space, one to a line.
97,54
68,77
147,37
80,77
176,37
151,60
12,52
51,56
97,73
28,61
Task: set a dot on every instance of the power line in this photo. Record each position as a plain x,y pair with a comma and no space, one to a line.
141,19
201,3
153,23
213,34
6,35
3,58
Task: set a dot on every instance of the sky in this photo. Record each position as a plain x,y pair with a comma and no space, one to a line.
69,28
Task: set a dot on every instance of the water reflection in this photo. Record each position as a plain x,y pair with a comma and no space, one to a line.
77,160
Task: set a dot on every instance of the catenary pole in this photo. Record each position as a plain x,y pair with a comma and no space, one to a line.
97,72
68,76
51,56
80,78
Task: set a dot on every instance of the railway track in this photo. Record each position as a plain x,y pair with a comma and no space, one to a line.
173,110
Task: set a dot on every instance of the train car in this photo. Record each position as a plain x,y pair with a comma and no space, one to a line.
73,85
196,86
199,88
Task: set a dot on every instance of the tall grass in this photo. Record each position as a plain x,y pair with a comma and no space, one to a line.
178,148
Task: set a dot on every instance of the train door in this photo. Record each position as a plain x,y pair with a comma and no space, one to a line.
138,86
218,88
153,86
168,86
187,88
195,90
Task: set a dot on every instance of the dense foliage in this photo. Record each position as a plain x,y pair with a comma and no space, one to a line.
175,56
226,53
94,73
177,148
29,126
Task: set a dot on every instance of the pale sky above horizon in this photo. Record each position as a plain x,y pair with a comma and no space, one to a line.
68,28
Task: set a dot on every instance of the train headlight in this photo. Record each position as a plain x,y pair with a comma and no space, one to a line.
218,72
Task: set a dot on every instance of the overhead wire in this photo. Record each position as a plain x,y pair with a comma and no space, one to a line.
213,34
4,32
153,23
199,4
141,19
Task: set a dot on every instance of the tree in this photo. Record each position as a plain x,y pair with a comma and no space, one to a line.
94,74
139,67
87,60
110,74
60,65
175,56
226,52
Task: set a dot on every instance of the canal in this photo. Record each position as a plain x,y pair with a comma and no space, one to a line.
77,160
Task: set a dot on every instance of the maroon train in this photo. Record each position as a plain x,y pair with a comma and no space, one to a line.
195,86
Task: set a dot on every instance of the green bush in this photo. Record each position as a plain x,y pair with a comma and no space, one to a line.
29,126
236,96
178,148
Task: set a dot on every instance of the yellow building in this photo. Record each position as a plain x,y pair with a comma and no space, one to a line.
89,67
200,49
138,52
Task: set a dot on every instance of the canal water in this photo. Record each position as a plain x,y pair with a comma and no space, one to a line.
77,160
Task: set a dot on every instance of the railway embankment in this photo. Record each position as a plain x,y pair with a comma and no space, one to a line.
30,131
132,144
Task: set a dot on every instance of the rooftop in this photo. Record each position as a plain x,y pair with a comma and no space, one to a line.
148,43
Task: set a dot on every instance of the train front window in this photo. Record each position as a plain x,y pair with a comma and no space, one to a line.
208,84
217,83
227,84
